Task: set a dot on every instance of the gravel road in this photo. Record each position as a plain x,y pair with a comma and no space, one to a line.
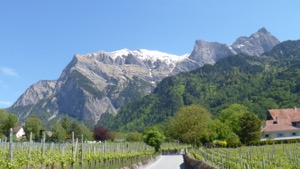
167,162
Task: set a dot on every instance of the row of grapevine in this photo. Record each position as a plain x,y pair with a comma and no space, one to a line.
76,154
251,157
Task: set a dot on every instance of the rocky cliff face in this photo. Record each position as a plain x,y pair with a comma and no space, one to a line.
256,44
210,52
98,83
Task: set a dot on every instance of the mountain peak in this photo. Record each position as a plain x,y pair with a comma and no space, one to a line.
256,44
263,30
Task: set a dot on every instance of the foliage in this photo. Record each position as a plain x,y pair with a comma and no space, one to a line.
218,130
268,156
134,91
153,138
190,124
80,130
101,133
64,155
59,132
250,128
233,140
35,125
219,143
232,115
3,116
134,137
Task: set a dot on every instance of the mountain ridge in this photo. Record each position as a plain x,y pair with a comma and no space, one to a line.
271,80
96,83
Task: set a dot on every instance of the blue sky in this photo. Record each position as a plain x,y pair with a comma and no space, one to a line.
39,38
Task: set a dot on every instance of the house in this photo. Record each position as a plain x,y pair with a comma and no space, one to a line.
18,132
282,124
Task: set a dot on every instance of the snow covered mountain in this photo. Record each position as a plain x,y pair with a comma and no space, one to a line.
99,83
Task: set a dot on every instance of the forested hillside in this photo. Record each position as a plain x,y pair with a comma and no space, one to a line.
259,83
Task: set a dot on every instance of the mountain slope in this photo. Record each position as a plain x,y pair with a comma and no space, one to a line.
97,84
259,83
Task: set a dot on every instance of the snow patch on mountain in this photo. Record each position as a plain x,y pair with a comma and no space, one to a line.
144,54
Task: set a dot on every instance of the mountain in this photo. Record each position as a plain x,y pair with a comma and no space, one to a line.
271,80
210,52
97,84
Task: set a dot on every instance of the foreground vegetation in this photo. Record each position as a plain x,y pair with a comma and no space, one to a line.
251,157
76,155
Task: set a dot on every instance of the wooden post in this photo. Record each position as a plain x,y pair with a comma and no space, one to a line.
5,142
73,152
11,146
82,151
43,148
29,149
104,147
43,144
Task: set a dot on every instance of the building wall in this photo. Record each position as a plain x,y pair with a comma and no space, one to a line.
280,134
20,133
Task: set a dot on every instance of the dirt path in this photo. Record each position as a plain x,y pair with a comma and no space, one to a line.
167,162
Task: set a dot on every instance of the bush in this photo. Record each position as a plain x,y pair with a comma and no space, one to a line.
233,140
219,143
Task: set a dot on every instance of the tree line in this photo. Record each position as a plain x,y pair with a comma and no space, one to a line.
61,131
193,124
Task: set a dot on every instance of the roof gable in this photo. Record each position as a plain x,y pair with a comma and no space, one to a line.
283,125
292,115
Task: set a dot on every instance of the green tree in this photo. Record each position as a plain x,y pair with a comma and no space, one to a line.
59,133
35,125
232,115
250,126
3,116
153,138
233,139
218,130
65,122
80,129
10,121
190,124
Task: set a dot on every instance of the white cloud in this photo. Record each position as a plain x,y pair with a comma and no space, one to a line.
8,71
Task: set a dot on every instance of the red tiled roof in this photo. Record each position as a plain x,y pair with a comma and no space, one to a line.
283,125
293,115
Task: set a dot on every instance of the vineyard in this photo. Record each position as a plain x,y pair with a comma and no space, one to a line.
284,156
77,154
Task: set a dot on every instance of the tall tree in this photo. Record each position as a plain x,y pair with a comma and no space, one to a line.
59,133
11,121
35,125
232,115
153,138
250,128
80,129
218,130
3,116
190,124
